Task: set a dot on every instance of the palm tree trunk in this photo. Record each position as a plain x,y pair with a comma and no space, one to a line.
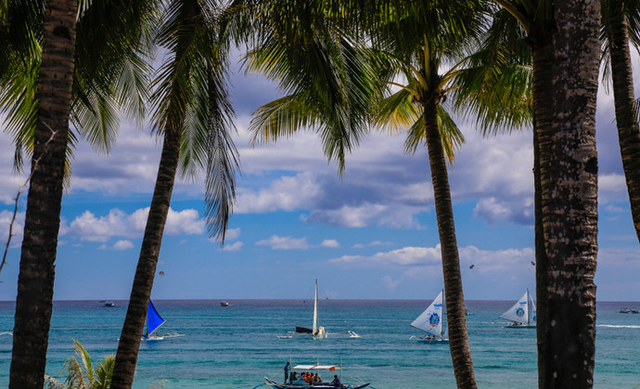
628,131
127,354
542,54
458,339
34,302
569,168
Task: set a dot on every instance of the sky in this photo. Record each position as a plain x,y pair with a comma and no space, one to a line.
369,234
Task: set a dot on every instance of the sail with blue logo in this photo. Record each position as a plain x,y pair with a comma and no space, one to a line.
522,313
154,320
431,320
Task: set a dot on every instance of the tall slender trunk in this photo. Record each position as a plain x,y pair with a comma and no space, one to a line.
458,338
34,302
127,354
542,54
569,168
628,131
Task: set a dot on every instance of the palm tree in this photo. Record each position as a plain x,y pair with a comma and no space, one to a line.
41,53
42,221
565,173
193,115
83,375
620,22
416,40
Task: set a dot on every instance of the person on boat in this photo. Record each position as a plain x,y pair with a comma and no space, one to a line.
316,378
336,382
287,370
293,377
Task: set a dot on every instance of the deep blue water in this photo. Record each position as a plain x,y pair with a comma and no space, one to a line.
235,347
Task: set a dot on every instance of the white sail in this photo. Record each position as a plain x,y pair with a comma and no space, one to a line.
533,318
430,321
519,313
315,311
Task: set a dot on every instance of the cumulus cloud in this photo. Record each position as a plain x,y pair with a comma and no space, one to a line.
284,243
235,246
123,245
92,228
331,243
483,261
18,227
390,283
494,211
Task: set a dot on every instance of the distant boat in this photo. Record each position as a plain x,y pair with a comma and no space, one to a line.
432,322
522,314
109,304
224,304
154,321
628,310
316,331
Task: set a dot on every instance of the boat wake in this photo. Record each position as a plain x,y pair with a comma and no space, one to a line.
7,333
617,326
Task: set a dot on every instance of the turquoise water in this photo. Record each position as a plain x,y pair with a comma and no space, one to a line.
235,347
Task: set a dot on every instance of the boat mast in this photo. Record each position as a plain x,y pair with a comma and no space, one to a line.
442,324
528,310
315,311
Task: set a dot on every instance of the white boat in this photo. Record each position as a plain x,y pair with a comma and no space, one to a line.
432,322
154,321
522,314
330,372
317,332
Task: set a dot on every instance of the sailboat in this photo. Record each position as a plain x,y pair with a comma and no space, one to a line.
316,331
432,322
154,321
522,314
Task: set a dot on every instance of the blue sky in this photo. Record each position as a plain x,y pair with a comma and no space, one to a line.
370,234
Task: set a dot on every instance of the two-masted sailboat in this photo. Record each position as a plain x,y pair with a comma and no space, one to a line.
432,322
522,314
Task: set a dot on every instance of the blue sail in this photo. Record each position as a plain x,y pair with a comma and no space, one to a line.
154,321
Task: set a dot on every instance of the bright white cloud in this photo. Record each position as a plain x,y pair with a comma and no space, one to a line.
123,245
286,193
407,256
284,243
89,227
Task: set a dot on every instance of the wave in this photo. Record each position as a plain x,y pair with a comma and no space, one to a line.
6,333
616,326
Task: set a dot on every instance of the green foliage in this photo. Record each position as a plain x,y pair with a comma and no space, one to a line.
81,374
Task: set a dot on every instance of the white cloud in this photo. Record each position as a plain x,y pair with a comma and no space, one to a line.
235,246
390,283
232,234
89,227
286,193
18,227
371,244
284,243
483,261
123,245
332,243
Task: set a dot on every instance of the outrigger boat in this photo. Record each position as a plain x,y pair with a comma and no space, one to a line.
325,383
432,322
522,314
154,321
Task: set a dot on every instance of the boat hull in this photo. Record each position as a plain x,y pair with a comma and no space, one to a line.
317,385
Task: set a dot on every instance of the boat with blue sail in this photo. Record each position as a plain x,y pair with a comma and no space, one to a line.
155,321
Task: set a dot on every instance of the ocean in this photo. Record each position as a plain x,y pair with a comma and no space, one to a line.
235,347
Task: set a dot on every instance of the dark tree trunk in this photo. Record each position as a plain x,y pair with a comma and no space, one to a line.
542,53
628,132
127,354
569,168
454,296
35,283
